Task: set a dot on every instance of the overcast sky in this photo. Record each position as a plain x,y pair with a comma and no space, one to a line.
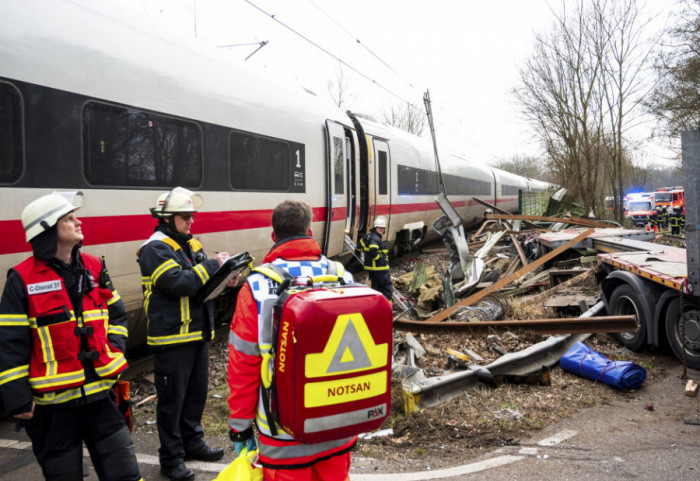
466,52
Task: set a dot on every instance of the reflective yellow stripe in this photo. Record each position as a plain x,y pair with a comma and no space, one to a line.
115,297
118,330
111,368
47,350
202,273
74,393
195,245
54,380
14,373
174,339
165,266
269,273
374,268
184,315
7,320
96,315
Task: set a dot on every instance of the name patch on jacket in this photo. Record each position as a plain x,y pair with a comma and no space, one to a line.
41,287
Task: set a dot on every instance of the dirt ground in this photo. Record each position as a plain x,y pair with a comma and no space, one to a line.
459,429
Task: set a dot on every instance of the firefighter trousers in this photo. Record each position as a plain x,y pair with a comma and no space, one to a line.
57,436
181,375
381,281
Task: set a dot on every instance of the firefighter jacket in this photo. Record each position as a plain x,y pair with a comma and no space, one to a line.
376,253
251,338
171,276
53,351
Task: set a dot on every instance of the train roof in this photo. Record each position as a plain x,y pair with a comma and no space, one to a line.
114,55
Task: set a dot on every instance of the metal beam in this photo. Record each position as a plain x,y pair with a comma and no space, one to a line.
543,326
556,220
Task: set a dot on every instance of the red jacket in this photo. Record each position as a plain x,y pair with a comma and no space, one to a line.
244,363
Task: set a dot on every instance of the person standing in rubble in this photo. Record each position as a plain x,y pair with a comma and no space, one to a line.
376,258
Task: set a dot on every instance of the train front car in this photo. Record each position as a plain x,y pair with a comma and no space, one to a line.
110,106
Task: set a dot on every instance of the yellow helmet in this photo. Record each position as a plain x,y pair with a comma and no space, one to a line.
176,201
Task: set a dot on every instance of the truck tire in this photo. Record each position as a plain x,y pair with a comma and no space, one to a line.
692,331
624,300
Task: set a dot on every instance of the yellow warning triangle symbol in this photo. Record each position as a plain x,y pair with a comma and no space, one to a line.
350,348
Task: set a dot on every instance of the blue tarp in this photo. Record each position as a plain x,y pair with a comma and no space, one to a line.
585,362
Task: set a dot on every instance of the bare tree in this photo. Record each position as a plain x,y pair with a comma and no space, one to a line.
579,90
526,166
339,88
406,117
676,98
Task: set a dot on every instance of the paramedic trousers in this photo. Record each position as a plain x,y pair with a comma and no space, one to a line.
57,441
181,375
381,281
335,468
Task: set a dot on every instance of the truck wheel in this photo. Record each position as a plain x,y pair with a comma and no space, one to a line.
624,300
692,331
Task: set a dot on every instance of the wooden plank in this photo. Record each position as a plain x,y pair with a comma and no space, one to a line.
556,220
498,209
518,248
539,298
508,279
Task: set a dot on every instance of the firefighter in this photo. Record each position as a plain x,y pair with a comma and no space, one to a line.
376,258
674,222
663,218
173,268
282,457
63,330
681,223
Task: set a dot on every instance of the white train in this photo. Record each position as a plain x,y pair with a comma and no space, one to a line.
89,102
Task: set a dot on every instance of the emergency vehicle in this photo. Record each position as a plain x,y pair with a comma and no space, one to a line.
640,208
671,198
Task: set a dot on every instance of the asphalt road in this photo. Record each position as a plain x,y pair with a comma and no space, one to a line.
619,441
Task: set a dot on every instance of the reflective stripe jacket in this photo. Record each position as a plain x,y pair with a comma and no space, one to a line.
170,279
50,352
251,337
376,253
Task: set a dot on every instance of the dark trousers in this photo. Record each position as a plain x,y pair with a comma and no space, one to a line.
57,441
182,377
381,281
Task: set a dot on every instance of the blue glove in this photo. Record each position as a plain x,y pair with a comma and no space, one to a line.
241,445
242,440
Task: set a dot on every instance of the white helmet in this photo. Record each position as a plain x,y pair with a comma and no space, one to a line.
379,222
43,213
176,201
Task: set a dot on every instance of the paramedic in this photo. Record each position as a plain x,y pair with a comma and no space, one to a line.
62,336
173,268
376,258
283,458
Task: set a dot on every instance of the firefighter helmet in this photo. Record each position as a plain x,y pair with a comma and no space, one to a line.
379,222
43,213
177,201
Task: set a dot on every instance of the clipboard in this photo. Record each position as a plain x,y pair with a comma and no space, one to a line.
233,266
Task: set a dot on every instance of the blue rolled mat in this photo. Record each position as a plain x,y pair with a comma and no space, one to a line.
585,362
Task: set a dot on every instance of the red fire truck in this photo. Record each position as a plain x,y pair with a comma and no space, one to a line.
670,197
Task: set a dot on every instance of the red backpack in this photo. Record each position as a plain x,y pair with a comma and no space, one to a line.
332,359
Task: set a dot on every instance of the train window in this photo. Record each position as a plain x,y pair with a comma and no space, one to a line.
338,166
10,134
510,189
130,147
259,163
413,181
382,174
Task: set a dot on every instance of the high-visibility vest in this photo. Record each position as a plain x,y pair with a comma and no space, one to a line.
56,357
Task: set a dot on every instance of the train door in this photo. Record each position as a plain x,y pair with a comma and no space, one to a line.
351,184
336,193
382,183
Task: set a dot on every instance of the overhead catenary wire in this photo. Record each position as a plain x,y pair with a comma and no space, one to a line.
409,104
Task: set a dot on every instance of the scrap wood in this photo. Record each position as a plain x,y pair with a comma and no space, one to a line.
557,220
567,325
539,298
691,388
508,279
498,209
519,248
148,399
